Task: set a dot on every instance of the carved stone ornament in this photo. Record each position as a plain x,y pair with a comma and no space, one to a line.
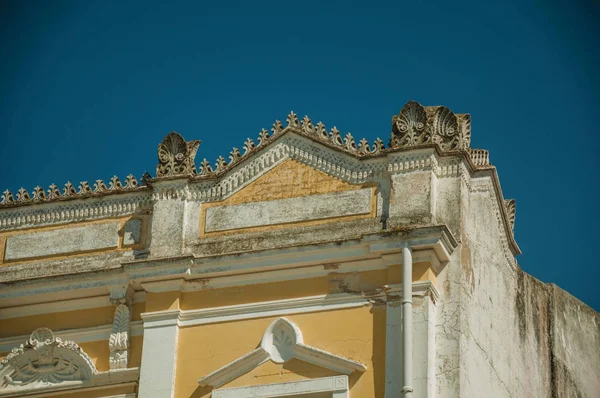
445,128
45,359
418,125
176,157
118,342
410,126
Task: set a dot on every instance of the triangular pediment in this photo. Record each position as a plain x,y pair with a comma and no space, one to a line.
282,343
289,179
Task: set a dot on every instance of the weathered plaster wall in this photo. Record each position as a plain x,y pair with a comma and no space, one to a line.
575,336
411,198
501,332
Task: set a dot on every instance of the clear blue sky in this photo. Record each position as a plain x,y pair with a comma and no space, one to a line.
89,88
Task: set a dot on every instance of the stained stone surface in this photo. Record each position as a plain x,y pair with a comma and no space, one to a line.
64,240
133,230
281,211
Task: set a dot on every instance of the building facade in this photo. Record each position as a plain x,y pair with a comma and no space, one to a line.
309,265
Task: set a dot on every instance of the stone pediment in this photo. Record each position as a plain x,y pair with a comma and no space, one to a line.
281,342
45,359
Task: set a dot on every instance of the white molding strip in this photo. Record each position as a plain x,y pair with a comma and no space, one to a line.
253,310
337,385
325,302
235,369
83,335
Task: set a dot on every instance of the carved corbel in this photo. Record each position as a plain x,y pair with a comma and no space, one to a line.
118,342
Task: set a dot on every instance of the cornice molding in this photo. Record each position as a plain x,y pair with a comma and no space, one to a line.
325,302
230,313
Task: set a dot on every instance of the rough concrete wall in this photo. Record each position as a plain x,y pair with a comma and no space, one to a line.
575,334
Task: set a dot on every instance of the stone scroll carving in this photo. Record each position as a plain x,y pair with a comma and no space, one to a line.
176,157
45,359
417,125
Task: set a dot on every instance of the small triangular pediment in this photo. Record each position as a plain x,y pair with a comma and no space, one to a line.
282,344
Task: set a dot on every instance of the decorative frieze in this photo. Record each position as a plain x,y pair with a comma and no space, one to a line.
64,212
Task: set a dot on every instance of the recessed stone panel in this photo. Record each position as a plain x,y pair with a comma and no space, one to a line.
283,211
62,241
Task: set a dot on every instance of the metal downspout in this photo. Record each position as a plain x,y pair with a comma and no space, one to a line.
407,326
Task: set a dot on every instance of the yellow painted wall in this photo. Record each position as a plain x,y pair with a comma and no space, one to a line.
98,351
136,310
57,321
135,352
357,334
421,272
162,301
255,293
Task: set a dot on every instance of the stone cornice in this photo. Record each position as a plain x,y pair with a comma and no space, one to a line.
189,273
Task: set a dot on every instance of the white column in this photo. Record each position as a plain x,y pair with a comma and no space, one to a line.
159,357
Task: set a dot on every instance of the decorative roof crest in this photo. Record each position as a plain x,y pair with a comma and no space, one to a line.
176,157
416,125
